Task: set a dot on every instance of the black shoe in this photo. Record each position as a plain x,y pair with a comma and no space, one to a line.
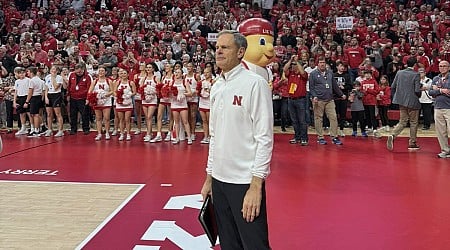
283,129
9,131
72,132
413,147
304,142
293,141
86,132
426,128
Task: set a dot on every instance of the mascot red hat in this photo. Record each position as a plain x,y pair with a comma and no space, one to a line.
254,26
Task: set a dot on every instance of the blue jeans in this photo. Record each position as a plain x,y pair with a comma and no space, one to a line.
297,110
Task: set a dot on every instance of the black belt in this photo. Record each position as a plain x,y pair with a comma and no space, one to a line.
296,98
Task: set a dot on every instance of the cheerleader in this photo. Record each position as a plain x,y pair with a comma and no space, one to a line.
164,102
203,88
102,89
53,100
113,78
149,98
191,79
139,81
124,90
179,106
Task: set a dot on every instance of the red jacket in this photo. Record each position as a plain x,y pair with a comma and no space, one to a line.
370,89
385,99
83,84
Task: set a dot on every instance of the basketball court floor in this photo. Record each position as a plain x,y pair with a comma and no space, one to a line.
77,193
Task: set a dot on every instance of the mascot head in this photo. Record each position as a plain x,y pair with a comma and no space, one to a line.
259,35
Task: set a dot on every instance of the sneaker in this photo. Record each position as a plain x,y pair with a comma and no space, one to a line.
443,154
376,134
157,138
293,141
86,132
137,132
336,141
193,137
426,128
59,134
72,132
33,134
128,137
22,131
341,133
413,147
322,141
304,142
205,140
354,133
364,134
48,133
98,137
107,136
388,128
189,142
121,137
168,137
283,129
175,141
390,142
147,138
114,133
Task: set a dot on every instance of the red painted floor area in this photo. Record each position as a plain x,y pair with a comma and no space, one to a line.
355,196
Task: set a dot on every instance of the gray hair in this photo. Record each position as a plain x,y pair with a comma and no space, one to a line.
239,39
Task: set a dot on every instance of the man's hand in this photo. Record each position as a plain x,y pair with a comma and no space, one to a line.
251,206
206,189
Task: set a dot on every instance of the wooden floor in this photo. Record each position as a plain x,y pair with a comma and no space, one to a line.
74,192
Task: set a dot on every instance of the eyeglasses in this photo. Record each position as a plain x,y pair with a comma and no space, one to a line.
443,66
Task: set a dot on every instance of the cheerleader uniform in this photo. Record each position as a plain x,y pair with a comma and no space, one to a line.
127,104
204,103
138,96
179,105
192,81
105,102
166,101
54,96
152,99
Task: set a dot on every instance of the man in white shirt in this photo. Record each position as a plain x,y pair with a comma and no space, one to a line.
240,149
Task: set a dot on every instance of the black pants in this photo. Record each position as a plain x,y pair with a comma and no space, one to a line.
10,115
234,232
383,111
280,107
358,116
371,119
341,111
427,113
79,106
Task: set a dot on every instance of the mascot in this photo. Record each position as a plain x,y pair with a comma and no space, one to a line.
260,52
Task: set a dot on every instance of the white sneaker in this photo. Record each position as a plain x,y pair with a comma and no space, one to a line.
341,133
98,137
168,137
205,140
128,137
147,138
121,137
193,137
189,142
175,141
48,133
157,138
59,134
107,136
114,133
137,132
22,131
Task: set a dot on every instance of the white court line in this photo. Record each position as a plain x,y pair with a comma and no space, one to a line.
109,218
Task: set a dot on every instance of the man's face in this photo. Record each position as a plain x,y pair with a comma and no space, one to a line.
443,67
227,53
322,65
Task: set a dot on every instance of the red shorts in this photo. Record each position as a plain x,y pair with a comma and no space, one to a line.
203,110
178,109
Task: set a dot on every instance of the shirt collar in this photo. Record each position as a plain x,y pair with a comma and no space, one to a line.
232,73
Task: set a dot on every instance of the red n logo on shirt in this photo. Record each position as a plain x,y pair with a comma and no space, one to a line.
237,100
101,87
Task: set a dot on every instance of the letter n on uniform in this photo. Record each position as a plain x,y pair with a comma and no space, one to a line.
237,100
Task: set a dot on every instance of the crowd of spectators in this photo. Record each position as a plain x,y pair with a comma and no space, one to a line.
124,33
